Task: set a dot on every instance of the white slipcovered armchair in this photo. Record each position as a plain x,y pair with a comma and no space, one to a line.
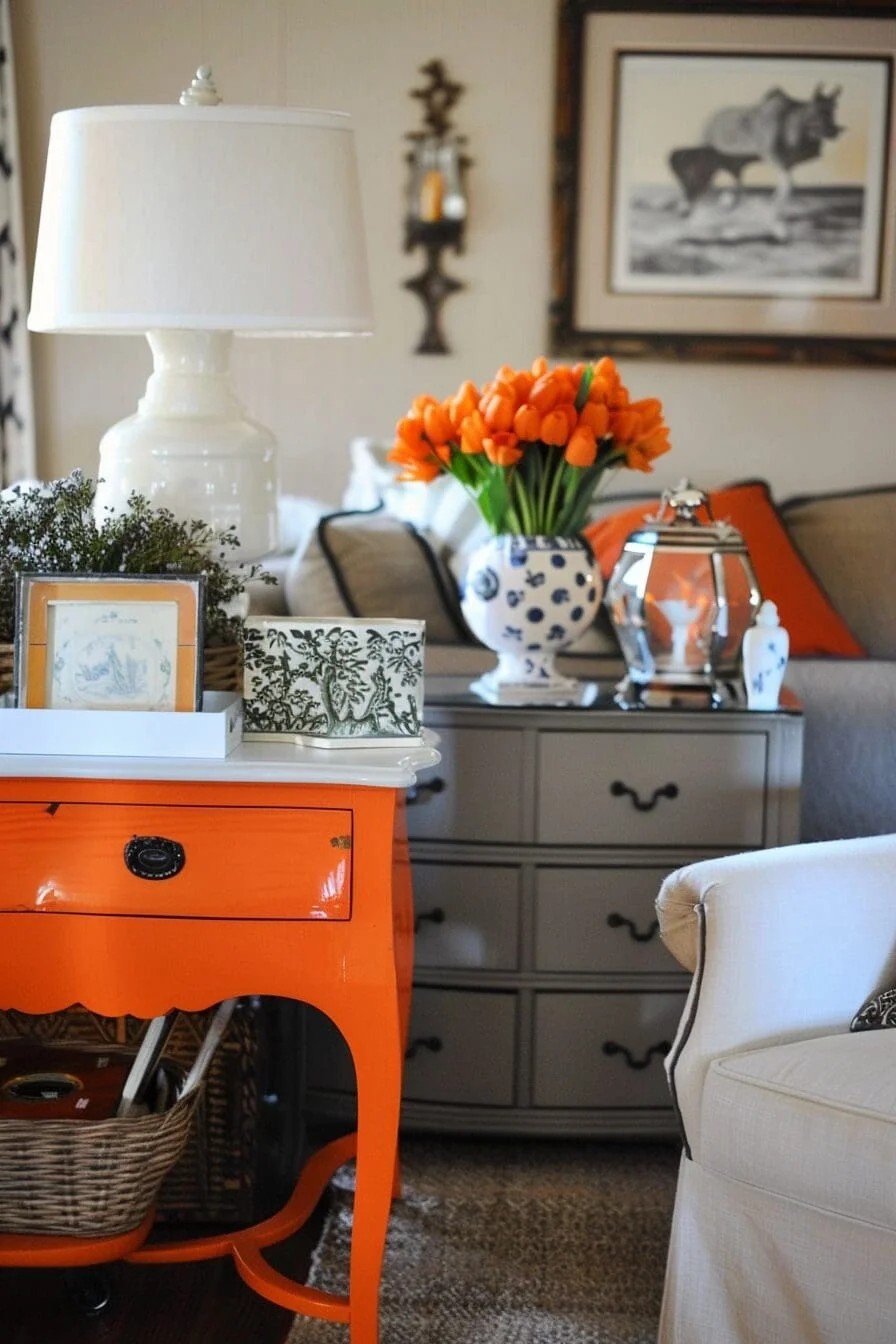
784,1229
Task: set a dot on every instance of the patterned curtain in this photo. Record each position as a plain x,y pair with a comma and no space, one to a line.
17,451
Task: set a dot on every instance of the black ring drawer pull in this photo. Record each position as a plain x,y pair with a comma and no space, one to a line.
418,793
661,1048
433,1043
154,857
619,790
436,916
617,921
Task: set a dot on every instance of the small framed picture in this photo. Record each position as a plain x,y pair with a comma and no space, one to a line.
101,641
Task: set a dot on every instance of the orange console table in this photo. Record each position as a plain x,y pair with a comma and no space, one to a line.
287,874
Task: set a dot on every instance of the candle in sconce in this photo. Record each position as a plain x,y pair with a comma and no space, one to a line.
431,194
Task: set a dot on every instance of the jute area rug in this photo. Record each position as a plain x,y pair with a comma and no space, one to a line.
513,1242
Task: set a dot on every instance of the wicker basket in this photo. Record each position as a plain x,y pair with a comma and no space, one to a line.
7,653
222,667
215,1177
86,1178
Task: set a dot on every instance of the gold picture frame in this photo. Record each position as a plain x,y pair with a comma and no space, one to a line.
674,238
115,642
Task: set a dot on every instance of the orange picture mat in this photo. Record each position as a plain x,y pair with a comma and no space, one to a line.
40,593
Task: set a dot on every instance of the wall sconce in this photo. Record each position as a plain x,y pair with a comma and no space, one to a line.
436,208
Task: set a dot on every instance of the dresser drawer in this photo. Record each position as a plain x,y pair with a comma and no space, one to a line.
599,919
466,915
597,1050
231,862
475,793
652,788
461,1047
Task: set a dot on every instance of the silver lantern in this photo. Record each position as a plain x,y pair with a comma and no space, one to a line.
681,597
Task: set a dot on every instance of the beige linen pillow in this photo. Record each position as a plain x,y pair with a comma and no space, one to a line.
371,564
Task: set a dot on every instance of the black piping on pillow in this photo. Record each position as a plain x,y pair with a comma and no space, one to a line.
442,580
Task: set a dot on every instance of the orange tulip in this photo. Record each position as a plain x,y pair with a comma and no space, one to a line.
582,447
545,392
472,433
410,433
502,449
624,426
437,424
464,401
420,471
497,412
514,383
639,456
555,428
527,422
595,417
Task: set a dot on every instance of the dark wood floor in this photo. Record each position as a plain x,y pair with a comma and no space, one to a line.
203,1303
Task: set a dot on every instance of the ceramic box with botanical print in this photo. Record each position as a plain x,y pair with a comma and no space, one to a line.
334,683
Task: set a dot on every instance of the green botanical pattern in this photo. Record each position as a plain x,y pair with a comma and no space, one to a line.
332,680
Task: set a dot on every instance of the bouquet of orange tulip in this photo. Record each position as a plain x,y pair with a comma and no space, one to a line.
532,448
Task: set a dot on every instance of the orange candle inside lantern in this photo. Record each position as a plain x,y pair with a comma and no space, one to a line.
431,194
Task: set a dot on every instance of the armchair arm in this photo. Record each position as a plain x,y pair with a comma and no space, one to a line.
784,943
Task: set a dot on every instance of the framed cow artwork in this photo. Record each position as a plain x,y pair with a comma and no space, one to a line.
724,181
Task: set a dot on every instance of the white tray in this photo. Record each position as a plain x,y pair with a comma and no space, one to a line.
211,733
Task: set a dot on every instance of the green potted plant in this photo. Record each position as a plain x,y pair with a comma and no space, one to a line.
52,529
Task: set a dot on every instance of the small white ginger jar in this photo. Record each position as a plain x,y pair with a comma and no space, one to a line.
766,646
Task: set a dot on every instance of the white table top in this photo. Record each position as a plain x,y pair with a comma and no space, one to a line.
258,762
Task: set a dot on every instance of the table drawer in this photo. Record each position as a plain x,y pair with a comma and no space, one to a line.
597,1050
461,1047
475,793
652,788
230,862
599,919
466,915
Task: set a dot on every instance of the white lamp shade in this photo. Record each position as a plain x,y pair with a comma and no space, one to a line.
244,219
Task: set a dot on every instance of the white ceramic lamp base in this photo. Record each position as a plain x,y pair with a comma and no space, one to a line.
190,449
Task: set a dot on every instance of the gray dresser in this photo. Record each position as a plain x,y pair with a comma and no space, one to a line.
543,1000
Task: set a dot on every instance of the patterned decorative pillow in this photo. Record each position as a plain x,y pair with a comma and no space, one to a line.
880,1011
371,564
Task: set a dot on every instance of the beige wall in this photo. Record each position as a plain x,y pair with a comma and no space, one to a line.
802,428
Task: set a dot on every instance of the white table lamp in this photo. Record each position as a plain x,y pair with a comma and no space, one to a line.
188,224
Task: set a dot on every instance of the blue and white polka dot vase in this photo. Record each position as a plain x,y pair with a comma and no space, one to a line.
527,598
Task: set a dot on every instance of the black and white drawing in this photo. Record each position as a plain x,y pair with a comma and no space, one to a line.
749,174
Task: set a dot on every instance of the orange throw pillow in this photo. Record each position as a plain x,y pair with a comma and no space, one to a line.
805,612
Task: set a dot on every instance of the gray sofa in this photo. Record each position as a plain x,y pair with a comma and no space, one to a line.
848,540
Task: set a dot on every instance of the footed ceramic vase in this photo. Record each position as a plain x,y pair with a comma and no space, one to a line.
527,598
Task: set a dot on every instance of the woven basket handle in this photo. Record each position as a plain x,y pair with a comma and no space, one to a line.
216,1030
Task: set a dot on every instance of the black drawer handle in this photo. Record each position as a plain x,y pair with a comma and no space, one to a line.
154,857
433,1043
619,790
617,921
418,793
436,916
613,1048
